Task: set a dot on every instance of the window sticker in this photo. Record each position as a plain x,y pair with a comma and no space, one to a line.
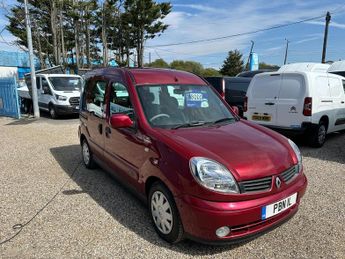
196,99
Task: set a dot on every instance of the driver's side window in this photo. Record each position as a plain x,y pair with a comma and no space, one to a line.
120,101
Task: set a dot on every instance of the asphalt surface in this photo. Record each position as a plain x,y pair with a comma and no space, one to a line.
92,215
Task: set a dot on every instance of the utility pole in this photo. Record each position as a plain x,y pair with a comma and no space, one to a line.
286,50
32,65
328,19
250,53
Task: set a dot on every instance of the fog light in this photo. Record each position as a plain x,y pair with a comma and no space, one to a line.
222,231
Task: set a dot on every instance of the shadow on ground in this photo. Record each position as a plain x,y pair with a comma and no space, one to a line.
333,149
121,204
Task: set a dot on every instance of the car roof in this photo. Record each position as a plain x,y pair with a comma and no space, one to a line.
152,76
231,78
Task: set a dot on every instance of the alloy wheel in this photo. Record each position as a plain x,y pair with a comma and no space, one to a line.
86,153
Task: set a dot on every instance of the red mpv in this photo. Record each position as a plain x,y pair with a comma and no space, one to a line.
205,173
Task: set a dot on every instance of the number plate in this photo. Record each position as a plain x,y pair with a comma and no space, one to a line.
278,207
261,117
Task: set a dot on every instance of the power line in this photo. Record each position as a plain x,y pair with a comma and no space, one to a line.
241,34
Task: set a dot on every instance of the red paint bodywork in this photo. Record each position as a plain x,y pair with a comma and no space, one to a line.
248,150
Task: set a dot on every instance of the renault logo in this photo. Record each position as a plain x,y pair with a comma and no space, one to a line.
278,182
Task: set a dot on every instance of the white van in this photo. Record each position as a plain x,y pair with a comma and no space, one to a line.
299,102
57,93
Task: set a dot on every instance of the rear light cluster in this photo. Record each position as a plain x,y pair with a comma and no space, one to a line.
307,107
245,104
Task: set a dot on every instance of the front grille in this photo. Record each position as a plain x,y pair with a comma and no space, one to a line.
289,174
257,185
74,101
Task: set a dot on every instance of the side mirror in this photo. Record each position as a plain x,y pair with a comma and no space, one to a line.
120,121
235,110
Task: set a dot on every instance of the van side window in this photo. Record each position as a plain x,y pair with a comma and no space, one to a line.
94,97
45,85
120,100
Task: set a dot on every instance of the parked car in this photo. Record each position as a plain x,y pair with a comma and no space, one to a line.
233,89
337,68
310,103
206,174
57,93
251,74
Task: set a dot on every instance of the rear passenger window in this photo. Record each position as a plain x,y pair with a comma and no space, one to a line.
94,97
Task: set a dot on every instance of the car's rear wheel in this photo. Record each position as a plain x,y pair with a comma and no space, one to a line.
165,216
87,155
318,135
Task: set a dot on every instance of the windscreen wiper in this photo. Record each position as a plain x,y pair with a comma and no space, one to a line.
223,119
190,124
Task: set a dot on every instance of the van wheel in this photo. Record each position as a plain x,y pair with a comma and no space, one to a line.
164,214
318,135
87,155
52,112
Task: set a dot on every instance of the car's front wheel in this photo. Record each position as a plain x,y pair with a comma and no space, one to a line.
52,112
165,216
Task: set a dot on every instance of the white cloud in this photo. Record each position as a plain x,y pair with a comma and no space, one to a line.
332,24
250,15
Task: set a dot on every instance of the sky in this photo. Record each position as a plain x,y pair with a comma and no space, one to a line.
194,20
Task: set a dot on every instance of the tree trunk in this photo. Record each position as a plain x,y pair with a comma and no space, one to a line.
87,25
63,54
53,13
104,38
76,40
40,54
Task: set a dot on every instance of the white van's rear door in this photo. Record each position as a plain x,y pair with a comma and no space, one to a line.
262,98
291,101
336,86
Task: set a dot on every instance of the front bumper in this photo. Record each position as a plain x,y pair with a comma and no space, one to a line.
202,218
66,109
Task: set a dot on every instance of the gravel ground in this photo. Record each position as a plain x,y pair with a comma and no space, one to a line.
94,216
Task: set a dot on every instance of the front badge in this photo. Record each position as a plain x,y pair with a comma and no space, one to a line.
278,182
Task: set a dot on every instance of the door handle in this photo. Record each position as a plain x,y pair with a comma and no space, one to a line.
342,102
269,103
107,132
100,128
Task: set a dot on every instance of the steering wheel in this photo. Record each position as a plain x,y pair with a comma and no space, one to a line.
158,116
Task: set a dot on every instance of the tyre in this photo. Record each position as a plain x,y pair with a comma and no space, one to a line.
52,112
164,213
318,135
87,155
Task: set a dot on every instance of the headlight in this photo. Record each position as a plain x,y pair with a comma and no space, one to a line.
298,154
213,175
61,97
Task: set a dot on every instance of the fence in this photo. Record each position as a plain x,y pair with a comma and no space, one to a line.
9,104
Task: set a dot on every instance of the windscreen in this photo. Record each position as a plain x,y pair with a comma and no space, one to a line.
65,83
175,106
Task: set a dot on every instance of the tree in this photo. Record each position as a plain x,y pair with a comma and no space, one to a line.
210,72
190,66
233,64
144,18
159,63
263,65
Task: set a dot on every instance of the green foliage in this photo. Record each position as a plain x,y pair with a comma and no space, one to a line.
189,66
233,64
158,63
210,72
263,65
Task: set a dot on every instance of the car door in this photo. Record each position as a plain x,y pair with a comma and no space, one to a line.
126,149
93,113
46,94
291,101
263,98
338,102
